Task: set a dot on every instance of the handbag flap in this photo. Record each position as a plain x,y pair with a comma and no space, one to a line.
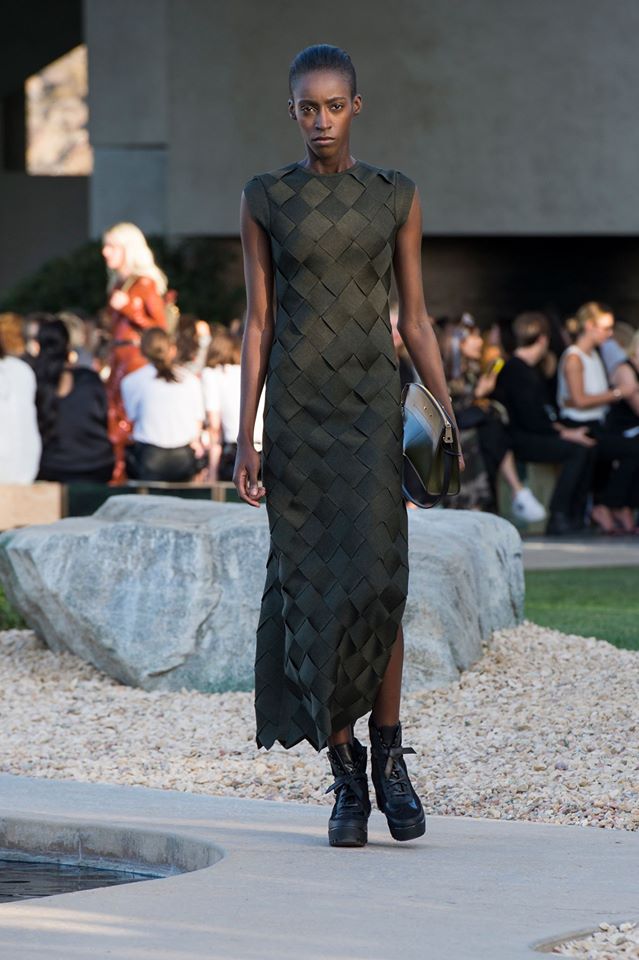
429,438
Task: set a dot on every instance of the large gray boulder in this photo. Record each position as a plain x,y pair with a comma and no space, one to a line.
164,593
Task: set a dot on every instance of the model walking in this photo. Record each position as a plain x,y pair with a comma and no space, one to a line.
322,235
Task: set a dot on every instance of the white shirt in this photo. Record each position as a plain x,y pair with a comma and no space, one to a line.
20,443
221,390
595,381
165,414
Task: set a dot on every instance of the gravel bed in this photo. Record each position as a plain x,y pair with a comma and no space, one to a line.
607,943
544,727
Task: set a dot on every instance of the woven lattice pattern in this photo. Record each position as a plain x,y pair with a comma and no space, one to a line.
337,568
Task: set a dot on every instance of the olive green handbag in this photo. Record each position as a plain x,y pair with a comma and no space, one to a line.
431,448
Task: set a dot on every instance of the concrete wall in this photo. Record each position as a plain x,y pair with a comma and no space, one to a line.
42,217
129,72
514,118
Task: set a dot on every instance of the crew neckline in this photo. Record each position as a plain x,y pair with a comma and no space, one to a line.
338,173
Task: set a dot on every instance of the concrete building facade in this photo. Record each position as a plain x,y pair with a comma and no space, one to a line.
516,120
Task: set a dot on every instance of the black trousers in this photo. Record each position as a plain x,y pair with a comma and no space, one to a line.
493,438
98,475
617,466
573,484
494,444
144,461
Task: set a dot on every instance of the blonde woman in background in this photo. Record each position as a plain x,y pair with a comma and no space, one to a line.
584,398
136,289
221,389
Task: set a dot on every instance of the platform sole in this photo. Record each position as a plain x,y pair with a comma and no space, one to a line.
407,831
348,834
402,830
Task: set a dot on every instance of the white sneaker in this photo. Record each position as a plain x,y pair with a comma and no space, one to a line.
527,507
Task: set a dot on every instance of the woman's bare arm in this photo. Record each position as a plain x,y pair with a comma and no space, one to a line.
574,373
256,348
414,324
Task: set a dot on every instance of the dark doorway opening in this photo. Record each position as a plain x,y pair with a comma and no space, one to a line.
494,278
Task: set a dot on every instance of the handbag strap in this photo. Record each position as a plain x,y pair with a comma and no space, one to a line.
448,469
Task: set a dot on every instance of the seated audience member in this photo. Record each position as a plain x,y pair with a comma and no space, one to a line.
12,336
31,327
192,339
470,390
164,404
72,413
559,340
622,372
584,398
221,391
536,435
623,417
77,327
20,444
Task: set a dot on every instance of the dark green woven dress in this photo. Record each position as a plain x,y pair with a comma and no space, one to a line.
337,567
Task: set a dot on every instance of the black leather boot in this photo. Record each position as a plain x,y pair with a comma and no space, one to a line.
394,792
348,823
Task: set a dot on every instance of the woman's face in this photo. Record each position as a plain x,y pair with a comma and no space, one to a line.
113,254
603,327
472,345
322,106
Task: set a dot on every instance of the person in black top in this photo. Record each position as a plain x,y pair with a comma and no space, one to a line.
72,414
622,419
471,382
623,373
536,434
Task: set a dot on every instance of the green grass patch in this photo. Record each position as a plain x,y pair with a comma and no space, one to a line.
9,619
598,602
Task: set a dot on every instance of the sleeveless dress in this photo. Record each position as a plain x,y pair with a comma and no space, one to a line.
337,567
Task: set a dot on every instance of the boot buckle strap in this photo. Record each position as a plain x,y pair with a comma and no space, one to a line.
393,754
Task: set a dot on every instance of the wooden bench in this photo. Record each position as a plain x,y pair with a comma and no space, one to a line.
44,502
25,504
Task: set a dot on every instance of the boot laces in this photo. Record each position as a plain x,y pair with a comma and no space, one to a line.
349,789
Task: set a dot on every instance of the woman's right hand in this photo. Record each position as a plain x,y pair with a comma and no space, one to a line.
245,473
577,435
485,385
119,299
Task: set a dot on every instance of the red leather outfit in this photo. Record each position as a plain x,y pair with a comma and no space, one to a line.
145,309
